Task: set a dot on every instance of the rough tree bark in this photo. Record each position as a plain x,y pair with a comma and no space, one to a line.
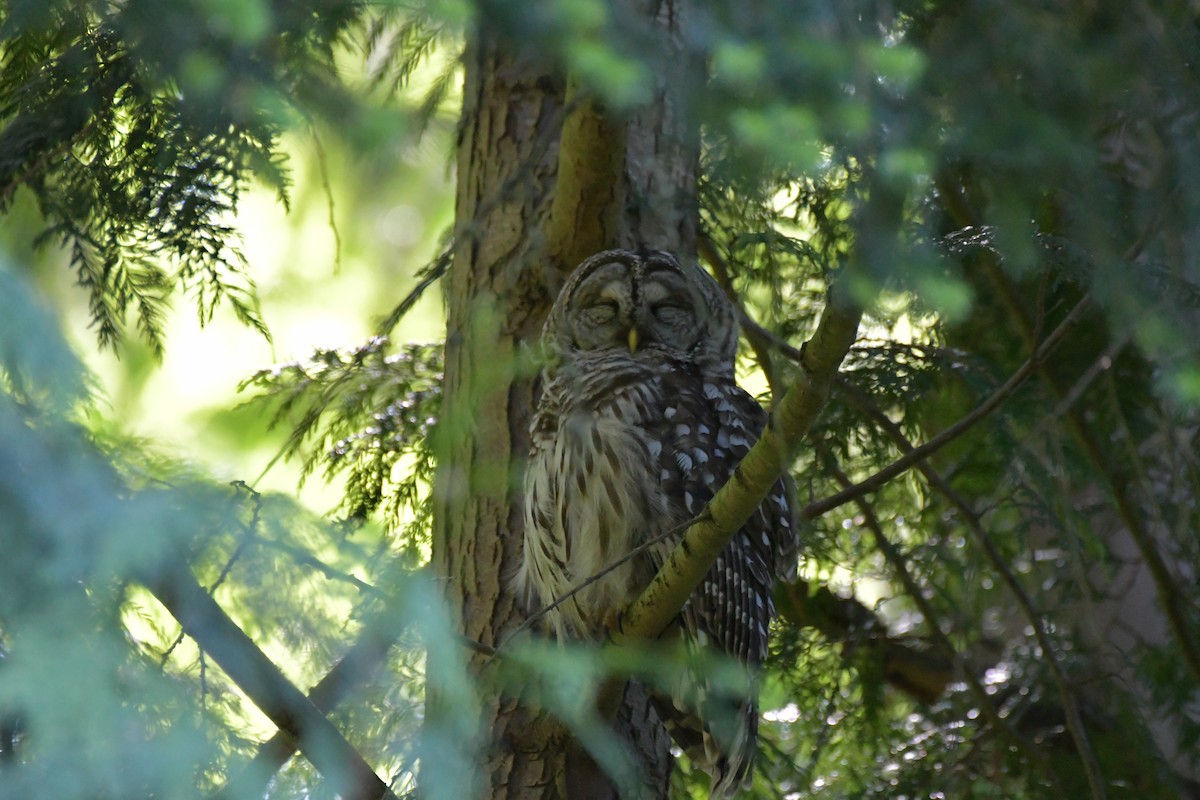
506,167
542,182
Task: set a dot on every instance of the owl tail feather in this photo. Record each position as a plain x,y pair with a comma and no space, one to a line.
732,761
728,756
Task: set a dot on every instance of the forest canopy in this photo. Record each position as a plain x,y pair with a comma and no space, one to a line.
272,277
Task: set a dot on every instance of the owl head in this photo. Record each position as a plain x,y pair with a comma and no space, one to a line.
643,302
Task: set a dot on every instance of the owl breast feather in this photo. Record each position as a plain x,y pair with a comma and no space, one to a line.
594,493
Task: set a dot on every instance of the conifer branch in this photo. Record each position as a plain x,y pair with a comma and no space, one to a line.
286,706
1121,488
661,601
918,454
941,640
758,337
909,664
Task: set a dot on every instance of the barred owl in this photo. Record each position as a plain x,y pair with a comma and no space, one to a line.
639,423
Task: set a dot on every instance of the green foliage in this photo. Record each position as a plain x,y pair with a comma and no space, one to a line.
1022,188
973,169
74,690
399,41
101,694
137,127
367,413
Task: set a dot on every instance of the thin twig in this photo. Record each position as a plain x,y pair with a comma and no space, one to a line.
941,639
591,579
432,274
305,558
1077,390
760,344
327,188
924,451
477,646
248,531
1074,718
758,331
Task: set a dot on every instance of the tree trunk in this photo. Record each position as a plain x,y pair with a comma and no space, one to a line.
506,164
514,244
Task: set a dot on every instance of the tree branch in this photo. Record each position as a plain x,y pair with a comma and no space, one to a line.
1173,598
941,639
534,616
1122,487
912,666
356,666
661,601
755,333
256,675
1071,711
924,451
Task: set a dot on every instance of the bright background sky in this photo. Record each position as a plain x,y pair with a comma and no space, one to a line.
188,404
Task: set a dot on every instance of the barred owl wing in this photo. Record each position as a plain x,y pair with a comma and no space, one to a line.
704,438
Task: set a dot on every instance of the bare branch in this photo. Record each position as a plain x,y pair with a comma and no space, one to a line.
356,666
257,676
327,188
924,451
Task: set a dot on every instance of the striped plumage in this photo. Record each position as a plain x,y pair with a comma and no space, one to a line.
639,423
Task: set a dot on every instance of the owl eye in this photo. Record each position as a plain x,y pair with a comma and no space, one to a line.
668,311
601,312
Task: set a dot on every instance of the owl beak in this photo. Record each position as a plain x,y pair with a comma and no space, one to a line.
633,340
